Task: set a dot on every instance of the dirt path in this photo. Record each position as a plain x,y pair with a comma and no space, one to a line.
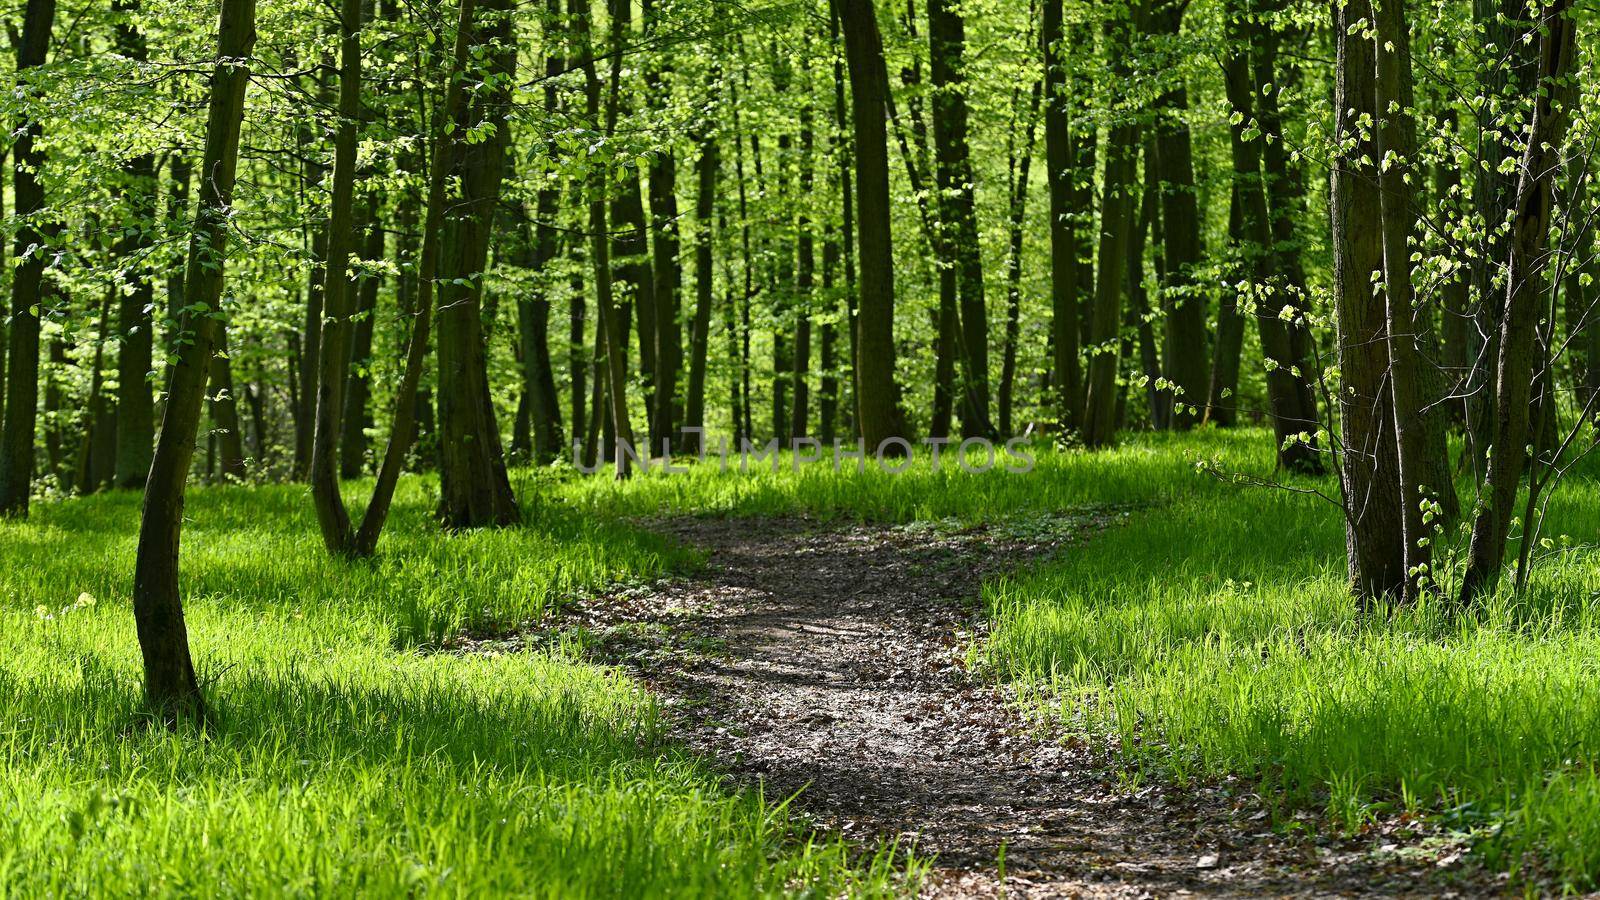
829,661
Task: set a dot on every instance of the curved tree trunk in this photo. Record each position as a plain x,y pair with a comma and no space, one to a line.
170,684
337,293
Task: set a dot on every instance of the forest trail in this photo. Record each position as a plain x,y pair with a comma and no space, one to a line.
830,661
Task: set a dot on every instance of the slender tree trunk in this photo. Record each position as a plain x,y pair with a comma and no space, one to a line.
337,292
93,471
958,216
847,215
1374,531
1017,183
449,127
223,402
314,173
170,684
1293,405
578,361
357,416
1117,221
612,330
1396,145
22,383
135,419
706,169
666,265
805,285
877,395
1184,348
1525,291
1063,153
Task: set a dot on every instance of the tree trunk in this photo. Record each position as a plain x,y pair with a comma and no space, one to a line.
1064,152
958,217
1017,191
847,215
337,292
612,332
878,394
223,402
1396,146
357,416
1117,221
1374,532
449,127
706,169
1525,291
1184,358
666,265
135,420
1293,405
474,489
22,383
170,684
805,284
314,172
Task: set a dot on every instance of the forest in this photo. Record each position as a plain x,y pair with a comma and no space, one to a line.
883,448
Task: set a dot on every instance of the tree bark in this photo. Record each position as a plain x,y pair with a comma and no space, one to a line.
1061,158
706,170
22,383
958,216
1184,359
170,684
1117,221
474,488
878,394
1017,191
612,331
1396,146
1525,291
449,126
1280,315
338,302
135,419
1374,532
357,416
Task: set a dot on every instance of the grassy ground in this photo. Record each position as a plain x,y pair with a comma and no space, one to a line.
347,757
1209,633
1213,633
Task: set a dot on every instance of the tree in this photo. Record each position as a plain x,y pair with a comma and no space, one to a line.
475,490
449,135
135,413
22,383
338,305
1525,288
1062,152
1117,222
170,684
958,217
877,392
1374,532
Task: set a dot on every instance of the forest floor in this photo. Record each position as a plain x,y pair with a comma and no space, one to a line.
831,663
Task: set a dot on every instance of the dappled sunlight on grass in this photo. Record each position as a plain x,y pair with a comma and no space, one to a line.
343,760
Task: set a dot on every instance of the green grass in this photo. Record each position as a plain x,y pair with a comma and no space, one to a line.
1207,633
347,758
1215,635
1212,633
